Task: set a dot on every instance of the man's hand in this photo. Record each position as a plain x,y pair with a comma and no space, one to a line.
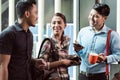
40,63
77,47
102,58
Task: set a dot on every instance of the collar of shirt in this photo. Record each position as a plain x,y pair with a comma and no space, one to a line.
103,30
19,27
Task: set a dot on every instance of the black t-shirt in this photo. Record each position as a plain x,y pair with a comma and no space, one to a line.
16,42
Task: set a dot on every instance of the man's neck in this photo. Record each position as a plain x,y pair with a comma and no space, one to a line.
23,24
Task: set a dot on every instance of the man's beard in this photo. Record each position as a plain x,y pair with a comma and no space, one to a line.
33,25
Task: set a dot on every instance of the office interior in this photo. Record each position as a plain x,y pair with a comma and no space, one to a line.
76,12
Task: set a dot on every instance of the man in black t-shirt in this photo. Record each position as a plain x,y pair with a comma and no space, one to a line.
16,43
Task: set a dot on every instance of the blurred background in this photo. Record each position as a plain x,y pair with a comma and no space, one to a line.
76,12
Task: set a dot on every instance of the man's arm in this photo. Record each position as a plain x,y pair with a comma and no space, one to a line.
4,61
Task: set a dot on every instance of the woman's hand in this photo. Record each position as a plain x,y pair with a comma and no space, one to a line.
66,62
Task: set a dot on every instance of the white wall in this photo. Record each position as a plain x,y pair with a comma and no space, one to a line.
112,21
85,7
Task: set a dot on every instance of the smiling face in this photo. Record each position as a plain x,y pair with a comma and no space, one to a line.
57,25
96,20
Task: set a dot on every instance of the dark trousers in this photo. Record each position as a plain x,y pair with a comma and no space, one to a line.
92,77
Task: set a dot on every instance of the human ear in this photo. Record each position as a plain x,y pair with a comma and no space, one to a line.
105,17
27,14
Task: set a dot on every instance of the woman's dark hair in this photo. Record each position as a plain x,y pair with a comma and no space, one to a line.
102,9
22,6
60,15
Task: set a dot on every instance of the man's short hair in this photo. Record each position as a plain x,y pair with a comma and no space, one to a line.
22,6
102,9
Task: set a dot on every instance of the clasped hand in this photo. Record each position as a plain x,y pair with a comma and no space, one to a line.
40,64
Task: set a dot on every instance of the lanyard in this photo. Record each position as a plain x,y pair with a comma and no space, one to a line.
107,51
